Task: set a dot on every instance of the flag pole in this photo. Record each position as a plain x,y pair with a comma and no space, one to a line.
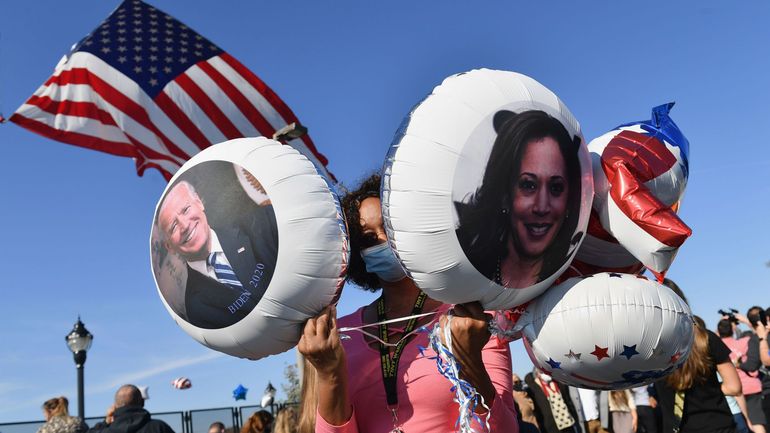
2,118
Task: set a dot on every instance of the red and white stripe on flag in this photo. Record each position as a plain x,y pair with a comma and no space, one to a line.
93,100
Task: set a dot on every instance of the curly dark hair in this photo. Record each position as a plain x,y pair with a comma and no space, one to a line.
368,187
484,222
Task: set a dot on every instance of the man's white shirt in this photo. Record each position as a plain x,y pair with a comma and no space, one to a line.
589,399
202,266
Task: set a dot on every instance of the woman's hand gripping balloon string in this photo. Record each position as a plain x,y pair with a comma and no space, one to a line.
320,344
458,339
470,333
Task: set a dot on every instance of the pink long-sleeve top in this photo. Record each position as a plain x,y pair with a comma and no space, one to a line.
425,402
750,383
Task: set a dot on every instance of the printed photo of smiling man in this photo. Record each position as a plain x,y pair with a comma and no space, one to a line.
215,244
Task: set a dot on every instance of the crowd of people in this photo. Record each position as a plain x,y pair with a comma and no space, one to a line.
724,386
381,382
128,415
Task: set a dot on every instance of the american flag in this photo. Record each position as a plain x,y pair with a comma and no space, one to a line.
145,86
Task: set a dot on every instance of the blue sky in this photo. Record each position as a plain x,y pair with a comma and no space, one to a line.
76,222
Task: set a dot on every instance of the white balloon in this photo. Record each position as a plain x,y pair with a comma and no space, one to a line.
436,164
299,215
145,391
269,396
608,331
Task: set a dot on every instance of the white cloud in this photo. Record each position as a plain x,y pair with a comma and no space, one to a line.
163,367
10,404
9,387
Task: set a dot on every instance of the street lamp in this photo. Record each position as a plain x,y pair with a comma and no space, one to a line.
79,341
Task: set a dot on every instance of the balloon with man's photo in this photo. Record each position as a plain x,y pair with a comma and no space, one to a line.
487,189
248,241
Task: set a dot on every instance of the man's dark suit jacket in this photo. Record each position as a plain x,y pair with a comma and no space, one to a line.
251,247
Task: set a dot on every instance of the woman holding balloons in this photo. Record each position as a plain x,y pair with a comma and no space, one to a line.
382,382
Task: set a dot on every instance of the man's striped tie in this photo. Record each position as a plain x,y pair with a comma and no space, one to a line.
225,273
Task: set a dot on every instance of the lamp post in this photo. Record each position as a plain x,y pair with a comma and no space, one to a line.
79,341
290,132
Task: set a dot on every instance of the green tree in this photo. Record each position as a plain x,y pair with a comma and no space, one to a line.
291,387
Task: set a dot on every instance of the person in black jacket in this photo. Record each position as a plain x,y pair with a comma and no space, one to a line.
692,400
553,406
130,415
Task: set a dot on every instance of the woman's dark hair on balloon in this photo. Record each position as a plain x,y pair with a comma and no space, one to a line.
485,219
351,202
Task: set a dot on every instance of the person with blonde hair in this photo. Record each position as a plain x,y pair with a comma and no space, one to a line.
623,411
308,405
285,421
58,419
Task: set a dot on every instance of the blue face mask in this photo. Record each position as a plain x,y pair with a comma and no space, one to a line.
380,260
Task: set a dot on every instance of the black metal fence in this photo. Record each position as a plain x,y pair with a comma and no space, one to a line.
192,421
200,420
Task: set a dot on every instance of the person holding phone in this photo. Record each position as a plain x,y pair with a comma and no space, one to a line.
750,363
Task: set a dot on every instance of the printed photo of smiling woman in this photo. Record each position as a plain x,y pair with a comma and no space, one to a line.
518,226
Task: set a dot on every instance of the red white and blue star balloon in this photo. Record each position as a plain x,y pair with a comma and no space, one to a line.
607,331
640,173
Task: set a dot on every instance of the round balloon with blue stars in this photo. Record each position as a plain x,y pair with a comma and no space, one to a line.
608,331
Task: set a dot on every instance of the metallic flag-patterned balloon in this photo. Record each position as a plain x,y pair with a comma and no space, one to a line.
640,174
181,383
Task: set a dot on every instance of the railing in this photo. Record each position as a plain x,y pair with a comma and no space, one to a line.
191,421
21,427
199,420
